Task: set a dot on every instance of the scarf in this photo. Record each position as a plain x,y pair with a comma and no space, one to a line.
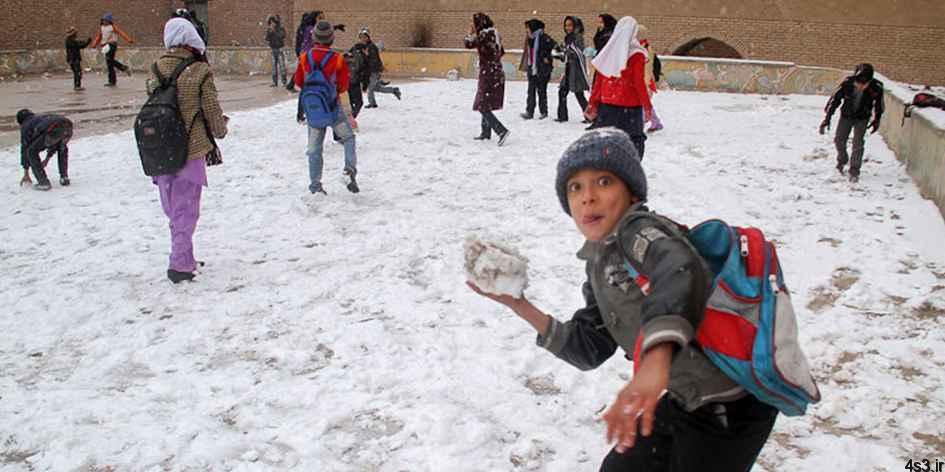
533,55
181,32
623,44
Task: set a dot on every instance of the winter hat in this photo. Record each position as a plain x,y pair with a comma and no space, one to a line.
608,149
365,31
324,33
71,31
864,72
107,17
23,115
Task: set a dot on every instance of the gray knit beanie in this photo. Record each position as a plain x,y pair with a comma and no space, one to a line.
608,149
324,33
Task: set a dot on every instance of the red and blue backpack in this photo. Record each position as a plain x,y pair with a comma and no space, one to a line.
749,330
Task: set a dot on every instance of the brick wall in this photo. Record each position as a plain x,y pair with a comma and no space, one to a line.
42,24
903,39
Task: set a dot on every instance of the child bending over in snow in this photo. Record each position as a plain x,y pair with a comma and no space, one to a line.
679,412
39,132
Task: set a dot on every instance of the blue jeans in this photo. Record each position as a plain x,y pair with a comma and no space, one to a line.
278,66
316,141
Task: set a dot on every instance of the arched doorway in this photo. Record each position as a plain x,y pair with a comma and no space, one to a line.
707,47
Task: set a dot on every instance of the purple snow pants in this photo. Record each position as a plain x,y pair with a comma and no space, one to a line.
180,198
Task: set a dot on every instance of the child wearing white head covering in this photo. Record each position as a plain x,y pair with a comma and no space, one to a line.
619,97
623,44
180,32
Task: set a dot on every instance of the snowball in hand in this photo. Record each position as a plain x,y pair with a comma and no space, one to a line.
495,268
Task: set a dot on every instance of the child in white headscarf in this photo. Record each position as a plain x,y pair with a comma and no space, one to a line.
619,97
200,110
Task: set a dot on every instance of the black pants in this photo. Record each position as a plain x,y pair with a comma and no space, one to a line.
844,127
719,437
490,123
113,64
76,74
537,86
56,140
563,92
630,120
356,98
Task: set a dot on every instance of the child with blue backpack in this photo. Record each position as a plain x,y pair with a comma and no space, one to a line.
323,75
646,292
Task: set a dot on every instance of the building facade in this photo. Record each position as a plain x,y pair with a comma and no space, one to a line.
903,38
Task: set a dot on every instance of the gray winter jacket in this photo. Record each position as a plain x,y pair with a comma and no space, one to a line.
617,311
572,50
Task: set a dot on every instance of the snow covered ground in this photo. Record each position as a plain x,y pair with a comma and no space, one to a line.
339,335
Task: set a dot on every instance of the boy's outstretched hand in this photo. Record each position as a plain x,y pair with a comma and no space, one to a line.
635,407
26,180
824,126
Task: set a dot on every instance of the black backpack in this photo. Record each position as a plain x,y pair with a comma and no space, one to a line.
159,128
657,68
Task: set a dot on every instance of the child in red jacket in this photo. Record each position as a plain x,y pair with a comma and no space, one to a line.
335,70
619,97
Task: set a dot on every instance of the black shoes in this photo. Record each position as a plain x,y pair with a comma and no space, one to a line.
64,181
178,277
483,137
840,169
542,116
352,184
397,94
527,116
42,186
503,137
559,120
370,106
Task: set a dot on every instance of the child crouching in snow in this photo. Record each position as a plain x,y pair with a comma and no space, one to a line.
705,421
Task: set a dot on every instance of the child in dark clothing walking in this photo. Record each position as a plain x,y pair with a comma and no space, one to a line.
859,97
374,67
38,133
74,47
575,68
536,62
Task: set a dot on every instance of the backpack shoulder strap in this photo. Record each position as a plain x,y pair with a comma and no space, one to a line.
325,59
157,73
180,69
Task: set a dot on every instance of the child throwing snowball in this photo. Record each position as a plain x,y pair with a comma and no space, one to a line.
679,412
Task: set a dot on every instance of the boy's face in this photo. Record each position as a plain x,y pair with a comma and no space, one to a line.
597,200
861,86
568,26
364,38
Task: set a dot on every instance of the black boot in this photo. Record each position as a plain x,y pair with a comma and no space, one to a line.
178,277
352,184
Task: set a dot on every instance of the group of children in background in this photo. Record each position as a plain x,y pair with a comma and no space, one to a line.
540,50
107,37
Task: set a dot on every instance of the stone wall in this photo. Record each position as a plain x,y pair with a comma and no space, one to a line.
919,142
738,76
